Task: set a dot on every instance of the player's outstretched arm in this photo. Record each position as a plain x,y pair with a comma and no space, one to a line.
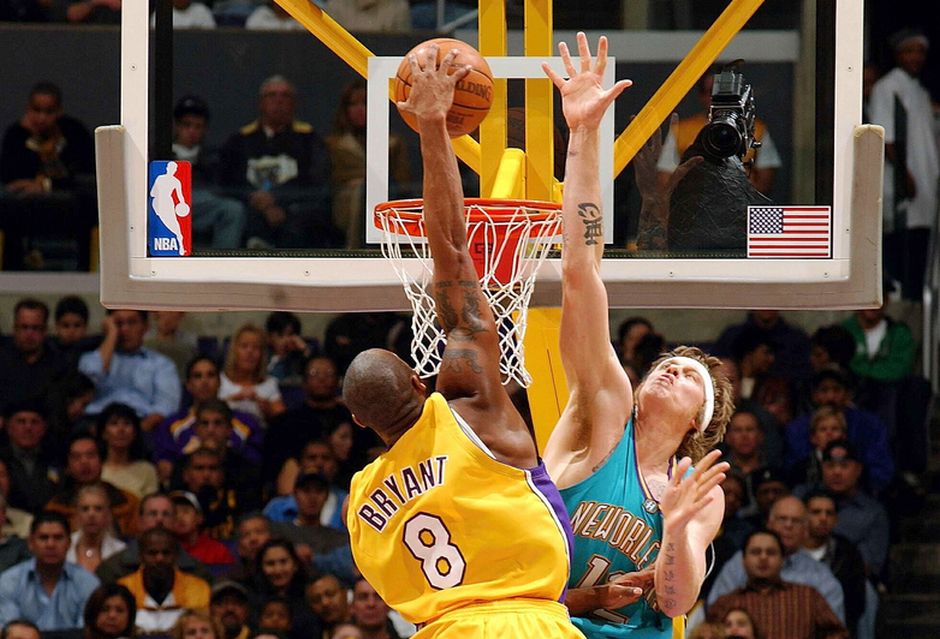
470,367
600,396
692,507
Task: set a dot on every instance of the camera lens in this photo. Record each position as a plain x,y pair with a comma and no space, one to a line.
722,139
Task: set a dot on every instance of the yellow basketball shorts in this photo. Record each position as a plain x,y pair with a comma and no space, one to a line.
510,619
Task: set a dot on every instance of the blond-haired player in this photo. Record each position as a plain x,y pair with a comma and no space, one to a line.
642,518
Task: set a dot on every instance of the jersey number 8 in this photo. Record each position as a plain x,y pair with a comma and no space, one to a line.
428,540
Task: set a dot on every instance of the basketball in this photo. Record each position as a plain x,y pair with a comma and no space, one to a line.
472,96
182,209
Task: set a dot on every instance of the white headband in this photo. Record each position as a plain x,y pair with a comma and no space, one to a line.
709,408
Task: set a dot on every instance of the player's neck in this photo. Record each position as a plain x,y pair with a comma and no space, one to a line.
655,446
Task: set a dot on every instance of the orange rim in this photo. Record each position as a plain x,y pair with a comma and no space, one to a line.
411,211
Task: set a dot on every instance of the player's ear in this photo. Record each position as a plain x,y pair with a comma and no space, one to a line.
419,386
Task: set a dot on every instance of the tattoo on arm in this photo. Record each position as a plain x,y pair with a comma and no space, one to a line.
590,215
460,360
468,316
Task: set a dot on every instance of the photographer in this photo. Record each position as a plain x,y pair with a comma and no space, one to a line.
762,161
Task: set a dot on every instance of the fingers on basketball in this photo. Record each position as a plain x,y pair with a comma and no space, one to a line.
473,94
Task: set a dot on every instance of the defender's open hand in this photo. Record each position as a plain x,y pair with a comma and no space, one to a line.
686,496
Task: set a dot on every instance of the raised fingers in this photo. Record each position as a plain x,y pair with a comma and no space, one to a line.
601,56
566,59
556,79
584,51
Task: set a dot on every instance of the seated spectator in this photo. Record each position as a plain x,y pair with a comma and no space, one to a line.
782,610
126,371
196,623
629,334
155,511
274,616
187,525
83,468
837,552
15,522
20,629
46,590
110,613
270,16
49,157
161,590
282,168
788,523
93,540
306,531
71,337
341,436
831,347
753,350
29,463
94,11
827,424
372,614
769,426
382,16
347,631
286,347
13,548
188,14
316,457
329,600
279,572
764,487
884,349
738,624
229,607
245,384
120,437
790,344
744,443
252,532
167,337
28,366
348,334
862,519
222,496
290,431
218,220
347,145
174,437
867,432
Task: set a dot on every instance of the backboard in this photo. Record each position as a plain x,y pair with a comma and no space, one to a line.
807,86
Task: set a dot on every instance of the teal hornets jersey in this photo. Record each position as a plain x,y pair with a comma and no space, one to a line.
617,529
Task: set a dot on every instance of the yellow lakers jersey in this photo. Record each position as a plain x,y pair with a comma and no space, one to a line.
437,522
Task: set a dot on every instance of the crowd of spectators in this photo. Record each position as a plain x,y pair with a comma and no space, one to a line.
219,489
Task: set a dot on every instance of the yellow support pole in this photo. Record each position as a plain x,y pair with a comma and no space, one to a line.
510,177
356,55
683,78
492,29
539,105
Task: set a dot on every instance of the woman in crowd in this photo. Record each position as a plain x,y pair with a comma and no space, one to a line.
347,146
110,613
125,464
194,624
94,539
245,384
279,573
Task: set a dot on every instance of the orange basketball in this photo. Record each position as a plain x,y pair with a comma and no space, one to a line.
472,96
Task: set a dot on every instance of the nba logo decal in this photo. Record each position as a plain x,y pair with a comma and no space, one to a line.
169,227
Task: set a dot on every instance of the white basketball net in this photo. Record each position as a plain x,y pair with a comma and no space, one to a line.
512,238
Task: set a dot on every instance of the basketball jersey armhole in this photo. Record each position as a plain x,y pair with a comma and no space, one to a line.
619,451
471,434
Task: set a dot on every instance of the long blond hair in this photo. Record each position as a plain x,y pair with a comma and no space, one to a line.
260,371
696,444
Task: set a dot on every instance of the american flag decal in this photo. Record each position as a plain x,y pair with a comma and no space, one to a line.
789,231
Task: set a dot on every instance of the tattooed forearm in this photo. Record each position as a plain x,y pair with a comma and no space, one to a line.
468,317
590,215
460,360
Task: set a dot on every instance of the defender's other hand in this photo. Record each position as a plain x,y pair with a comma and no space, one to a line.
584,99
684,497
432,86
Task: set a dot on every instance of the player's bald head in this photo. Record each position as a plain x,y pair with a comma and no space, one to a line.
378,389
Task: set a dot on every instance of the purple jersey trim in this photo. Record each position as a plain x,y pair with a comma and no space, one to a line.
544,485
